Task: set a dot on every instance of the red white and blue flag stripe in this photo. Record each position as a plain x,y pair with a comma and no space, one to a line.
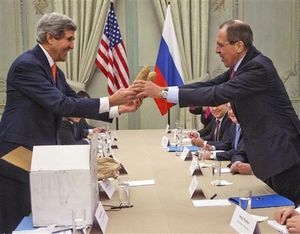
168,64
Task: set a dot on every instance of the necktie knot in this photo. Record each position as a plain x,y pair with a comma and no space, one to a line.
53,71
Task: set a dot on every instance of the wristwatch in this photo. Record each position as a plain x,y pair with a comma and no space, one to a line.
164,93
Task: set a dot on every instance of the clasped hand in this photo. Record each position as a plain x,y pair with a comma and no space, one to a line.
145,88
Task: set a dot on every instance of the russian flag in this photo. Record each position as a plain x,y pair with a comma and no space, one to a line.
168,65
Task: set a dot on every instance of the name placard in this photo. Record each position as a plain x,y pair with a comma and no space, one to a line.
164,142
185,154
194,167
193,186
107,187
101,217
243,222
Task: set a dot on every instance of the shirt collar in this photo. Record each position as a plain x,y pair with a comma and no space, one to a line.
49,58
221,119
238,63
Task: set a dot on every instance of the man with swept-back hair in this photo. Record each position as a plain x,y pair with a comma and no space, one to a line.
37,98
270,126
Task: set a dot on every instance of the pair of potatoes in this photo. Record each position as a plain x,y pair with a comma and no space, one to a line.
146,74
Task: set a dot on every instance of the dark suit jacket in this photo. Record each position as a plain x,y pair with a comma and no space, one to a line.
69,134
207,122
82,129
270,126
225,125
227,144
34,105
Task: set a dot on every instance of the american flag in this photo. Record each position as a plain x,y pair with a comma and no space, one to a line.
111,57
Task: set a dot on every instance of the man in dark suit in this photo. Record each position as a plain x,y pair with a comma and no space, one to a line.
206,118
220,125
232,144
69,134
270,126
37,98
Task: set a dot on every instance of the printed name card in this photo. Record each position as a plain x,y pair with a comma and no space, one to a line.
101,217
164,142
107,187
243,222
185,154
194,167
193,186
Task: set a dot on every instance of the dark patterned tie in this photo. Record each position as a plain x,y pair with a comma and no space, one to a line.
217,130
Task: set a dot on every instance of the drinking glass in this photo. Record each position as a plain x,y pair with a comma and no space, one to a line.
124,191
216,173
245,199
79,221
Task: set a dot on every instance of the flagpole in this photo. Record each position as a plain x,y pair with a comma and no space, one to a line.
169,117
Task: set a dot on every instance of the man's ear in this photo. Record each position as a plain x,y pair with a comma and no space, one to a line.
240,46
50,38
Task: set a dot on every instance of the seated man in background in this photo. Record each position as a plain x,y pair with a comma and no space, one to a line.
233,146
72,134
219,126
290,217
82,127
206,118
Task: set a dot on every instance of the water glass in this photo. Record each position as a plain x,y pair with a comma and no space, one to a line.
201,156
79,221
124,191
179,146
245,199
216,173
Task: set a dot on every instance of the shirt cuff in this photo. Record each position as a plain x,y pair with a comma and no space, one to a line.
173,93
213,147
213,155
114,112
90,131
104,105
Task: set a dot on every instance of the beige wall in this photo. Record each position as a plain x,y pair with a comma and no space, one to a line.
276,26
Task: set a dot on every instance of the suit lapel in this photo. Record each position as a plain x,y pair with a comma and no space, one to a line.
39,53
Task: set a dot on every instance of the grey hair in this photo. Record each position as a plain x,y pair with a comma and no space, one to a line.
55,24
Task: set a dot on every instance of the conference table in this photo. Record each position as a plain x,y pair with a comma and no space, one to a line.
166,206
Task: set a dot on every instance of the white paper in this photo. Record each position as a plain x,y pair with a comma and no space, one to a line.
141,182
259,218
40,231
281,228
225,170
216,202
217,151
222,183
204,165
